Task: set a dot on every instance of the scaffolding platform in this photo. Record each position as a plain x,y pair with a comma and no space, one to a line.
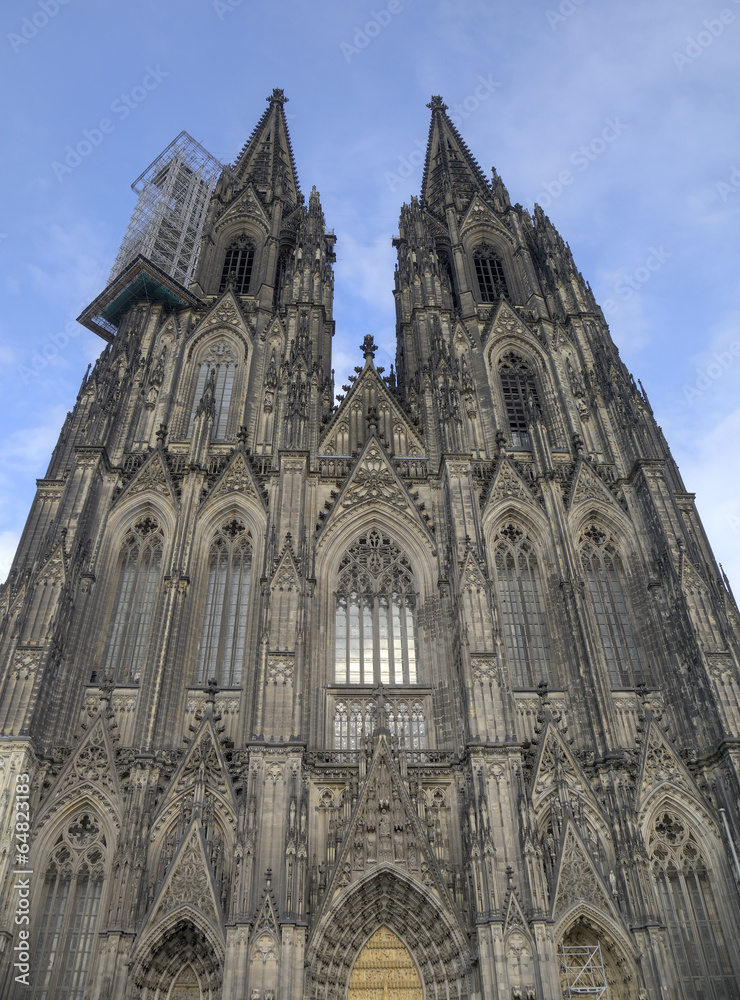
582,972
167,222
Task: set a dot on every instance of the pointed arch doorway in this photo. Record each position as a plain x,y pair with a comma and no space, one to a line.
384,970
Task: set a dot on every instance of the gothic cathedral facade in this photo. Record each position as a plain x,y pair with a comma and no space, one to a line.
426,690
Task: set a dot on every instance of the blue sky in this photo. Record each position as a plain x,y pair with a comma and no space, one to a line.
634,105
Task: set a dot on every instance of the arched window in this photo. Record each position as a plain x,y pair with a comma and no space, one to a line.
131,619
281,271
520,593
603,571
68,908
445,266
375,637
238,264
220,362
223,639
689,910
490,273
520,393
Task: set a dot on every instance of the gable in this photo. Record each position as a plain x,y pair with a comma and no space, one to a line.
152,476
238,479
349,428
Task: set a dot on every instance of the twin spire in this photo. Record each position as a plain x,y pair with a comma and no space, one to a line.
267,157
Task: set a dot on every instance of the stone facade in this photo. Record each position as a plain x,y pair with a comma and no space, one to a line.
442,666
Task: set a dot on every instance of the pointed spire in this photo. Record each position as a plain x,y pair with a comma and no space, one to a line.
450,167
267,157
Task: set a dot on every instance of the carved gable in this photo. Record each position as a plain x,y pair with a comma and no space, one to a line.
153,476
189,881
577,879
349,430
479,214
507,484
225,311
201,775
238,478
587,485
287,575
506,323
555,766
385,829
661,766
514,915
471,574
246,206
89,771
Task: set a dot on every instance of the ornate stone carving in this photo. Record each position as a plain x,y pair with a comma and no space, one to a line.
374,479
190,880
578,881
279,670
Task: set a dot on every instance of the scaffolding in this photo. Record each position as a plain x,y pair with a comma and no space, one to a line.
167,222
582,972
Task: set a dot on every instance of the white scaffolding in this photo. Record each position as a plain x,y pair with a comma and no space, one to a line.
168,219
582,972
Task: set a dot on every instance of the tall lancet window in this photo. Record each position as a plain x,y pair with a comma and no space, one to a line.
603,572
520,593
520,392
223,638
133,605
219,361
689,910
490,273
238,265
375,619
68,911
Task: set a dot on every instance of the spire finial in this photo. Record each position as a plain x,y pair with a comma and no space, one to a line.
437,104
368,347
277,97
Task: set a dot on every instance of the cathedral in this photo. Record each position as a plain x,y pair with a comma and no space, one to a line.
423,687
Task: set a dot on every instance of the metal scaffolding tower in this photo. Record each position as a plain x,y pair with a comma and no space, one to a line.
168,219
582,972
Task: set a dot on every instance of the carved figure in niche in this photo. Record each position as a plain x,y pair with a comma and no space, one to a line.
370,844
384,831
411,852
398,844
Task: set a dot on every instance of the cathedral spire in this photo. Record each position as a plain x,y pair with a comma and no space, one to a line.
450,169
267,156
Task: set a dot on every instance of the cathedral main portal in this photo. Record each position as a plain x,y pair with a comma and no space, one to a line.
384,970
